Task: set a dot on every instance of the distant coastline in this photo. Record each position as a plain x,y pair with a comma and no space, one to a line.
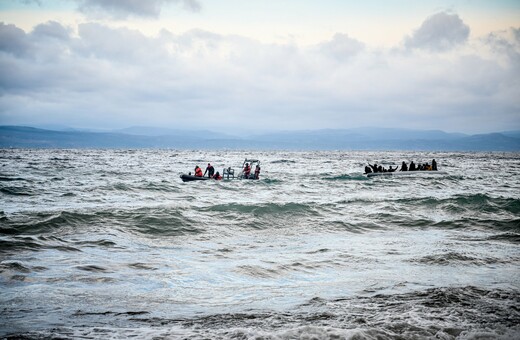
328,139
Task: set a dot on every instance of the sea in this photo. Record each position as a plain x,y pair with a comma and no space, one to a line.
111,244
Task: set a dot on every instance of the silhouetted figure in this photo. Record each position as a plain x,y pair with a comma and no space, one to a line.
368,170
404,167
434,165
412,166
210,170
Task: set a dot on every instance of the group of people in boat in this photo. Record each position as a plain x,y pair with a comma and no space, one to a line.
404,167
210,170
247,171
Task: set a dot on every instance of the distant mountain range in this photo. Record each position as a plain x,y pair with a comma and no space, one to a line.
328,139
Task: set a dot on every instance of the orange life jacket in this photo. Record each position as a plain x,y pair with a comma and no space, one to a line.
217,177
198,172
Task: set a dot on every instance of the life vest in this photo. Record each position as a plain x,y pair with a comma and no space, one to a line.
247,170
198,172
218,178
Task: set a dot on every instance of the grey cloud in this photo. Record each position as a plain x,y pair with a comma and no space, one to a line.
506,43
13,40
52,30
122,9
342,46
439,32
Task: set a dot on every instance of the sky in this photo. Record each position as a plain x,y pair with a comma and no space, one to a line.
255,66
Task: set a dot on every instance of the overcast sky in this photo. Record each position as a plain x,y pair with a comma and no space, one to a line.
257,65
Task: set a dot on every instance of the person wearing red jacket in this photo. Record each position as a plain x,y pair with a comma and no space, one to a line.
198,171
247,170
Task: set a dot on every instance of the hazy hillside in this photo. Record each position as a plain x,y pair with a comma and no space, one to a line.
351,139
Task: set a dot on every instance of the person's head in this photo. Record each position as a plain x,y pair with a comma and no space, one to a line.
209,164
218,173
247,164
196,167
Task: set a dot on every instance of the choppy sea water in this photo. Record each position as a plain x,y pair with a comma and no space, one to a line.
112,244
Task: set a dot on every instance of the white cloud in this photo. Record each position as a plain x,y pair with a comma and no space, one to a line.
439,32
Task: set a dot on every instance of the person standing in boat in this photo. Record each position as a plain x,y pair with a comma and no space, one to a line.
198,172
247,170
257,171
434,165
404,167
210,170
412,166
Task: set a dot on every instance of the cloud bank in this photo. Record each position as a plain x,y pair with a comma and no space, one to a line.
93,75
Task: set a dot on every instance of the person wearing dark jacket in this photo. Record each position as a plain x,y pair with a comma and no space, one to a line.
210,170
404,167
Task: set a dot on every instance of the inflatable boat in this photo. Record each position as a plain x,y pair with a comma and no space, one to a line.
189,178
229,173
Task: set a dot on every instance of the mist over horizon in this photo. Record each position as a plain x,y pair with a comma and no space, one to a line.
323,139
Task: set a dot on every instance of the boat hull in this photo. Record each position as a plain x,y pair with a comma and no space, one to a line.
408,173
190,178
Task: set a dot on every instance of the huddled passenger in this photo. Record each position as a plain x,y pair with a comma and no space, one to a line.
198,171
404,167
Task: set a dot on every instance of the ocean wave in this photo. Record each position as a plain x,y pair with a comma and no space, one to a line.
451,258
283,161
271,180
6,178
16,244
471,202
148,221
346,177
269,209
507,237
17,191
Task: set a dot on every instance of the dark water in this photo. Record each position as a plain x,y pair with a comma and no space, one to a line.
111,244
